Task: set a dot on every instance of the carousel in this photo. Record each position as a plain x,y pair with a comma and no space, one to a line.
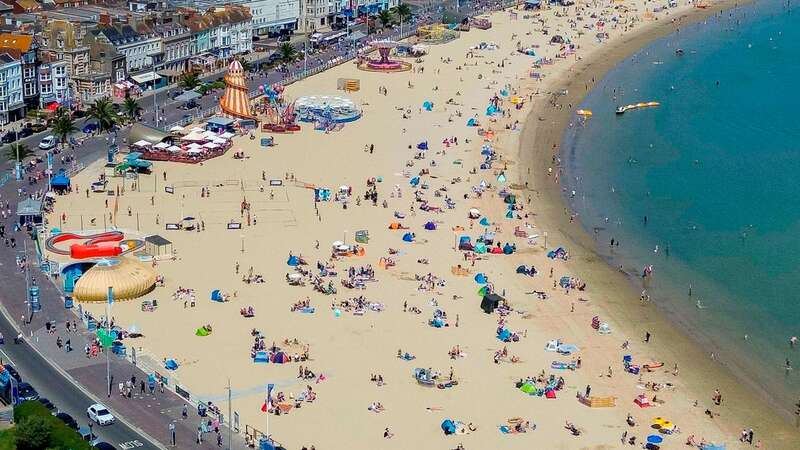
382,63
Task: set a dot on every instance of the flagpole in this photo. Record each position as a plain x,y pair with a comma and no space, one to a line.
108,335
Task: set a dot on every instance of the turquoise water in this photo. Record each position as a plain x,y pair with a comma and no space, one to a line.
715,169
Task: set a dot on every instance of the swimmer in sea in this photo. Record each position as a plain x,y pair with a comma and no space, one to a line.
699,305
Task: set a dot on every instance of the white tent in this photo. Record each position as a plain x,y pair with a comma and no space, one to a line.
194,151
174,149
161,145
210,145
142,143
194,137
227,135
176,129
195,145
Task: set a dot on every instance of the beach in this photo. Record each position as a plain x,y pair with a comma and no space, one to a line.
270,192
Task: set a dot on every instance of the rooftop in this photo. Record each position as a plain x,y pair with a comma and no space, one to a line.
21,42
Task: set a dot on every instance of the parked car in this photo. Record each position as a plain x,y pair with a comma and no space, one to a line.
100,414
90,127
273,58
104,446
48,142
47,403
9,137
68,420
38,127
27,392
24,132
13,372
87,435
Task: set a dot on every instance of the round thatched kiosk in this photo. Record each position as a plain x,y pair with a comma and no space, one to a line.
128,277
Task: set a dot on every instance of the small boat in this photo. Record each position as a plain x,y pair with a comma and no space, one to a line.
584,112
622,109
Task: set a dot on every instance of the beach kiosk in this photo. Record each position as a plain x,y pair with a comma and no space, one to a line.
29,211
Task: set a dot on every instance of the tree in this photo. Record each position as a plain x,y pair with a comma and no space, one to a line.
32,433
102,110
385,17
131,108
189,81
246,66
16,150
288,52
63,127
403,11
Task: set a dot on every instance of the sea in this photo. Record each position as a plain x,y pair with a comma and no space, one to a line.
705,188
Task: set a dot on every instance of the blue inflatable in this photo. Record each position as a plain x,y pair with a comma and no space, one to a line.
216,295
408,237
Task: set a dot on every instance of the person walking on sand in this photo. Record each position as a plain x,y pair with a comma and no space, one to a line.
647,337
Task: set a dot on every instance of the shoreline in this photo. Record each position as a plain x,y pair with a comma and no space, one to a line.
541,136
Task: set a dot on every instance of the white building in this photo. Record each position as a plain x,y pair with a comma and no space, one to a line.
140,49
319,15
272,16
12,105
53,82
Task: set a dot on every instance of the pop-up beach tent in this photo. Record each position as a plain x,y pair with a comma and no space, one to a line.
491,302
216,295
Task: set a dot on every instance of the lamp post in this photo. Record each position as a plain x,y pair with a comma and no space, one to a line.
155,106
108,337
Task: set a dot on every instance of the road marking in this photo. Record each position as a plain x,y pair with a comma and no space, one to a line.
130,444
7,358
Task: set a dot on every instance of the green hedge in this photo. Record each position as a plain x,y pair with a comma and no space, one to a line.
61,436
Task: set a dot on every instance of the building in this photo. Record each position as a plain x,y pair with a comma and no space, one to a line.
64,39
107,68
146,5
272,17
319,15
26,6
139,44
24,47
53,80
12,104
176,49
218,34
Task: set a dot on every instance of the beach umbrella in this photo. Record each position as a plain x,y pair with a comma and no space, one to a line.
654,439
510,214
484,222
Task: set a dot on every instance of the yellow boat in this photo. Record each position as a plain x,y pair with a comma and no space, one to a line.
584,113
623,109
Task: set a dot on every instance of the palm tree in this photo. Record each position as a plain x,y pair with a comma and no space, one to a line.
103,111
288,52
385,17
189,81
403,11
18,152
246,66
63,126
131,108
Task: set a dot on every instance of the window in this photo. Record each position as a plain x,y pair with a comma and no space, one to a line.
29,72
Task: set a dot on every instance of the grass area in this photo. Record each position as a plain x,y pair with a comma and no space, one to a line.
7,441
61,436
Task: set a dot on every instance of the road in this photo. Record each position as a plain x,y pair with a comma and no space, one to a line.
67,397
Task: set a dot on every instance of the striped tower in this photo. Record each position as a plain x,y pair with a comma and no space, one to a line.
235,103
